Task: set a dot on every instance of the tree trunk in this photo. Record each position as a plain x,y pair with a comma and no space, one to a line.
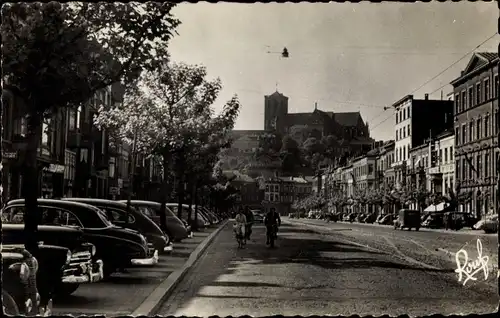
163,193
180,185
195,193
191,198
30,189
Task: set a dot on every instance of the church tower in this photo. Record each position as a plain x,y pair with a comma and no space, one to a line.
275,111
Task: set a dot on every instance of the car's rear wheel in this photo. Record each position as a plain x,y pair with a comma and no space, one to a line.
9,305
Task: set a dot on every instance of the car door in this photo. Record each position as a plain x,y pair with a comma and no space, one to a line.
118,217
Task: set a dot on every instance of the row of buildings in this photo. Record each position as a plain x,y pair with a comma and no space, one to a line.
75,158
440,145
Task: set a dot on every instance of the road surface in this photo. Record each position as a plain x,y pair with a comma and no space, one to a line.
310,273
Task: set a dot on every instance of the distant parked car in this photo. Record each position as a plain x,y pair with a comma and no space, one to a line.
116,212
259,216
488,224
176,228
387,219
201,222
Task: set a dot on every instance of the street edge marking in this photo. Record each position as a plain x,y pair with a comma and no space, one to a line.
152,303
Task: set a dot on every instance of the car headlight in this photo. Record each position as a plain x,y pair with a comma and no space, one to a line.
35,264
94,250
24,270
68,257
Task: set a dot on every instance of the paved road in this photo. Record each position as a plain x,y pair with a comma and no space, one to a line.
314,274
433,247
123,293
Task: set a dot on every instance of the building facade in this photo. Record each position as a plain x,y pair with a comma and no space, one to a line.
415,121
476,129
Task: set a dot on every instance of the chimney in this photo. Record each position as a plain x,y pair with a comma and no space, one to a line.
426,96
315,105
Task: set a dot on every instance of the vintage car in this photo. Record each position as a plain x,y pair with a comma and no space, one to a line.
201,221
116,212
117,247
408,219
176,228
30,279
83,266
19,291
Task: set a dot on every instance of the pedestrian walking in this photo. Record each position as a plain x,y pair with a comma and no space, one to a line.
239,227
250,220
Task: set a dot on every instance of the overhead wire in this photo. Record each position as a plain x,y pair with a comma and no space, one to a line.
436,76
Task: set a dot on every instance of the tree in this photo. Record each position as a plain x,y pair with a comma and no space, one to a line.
57,55
290,154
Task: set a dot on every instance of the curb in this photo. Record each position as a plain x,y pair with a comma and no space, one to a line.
152,303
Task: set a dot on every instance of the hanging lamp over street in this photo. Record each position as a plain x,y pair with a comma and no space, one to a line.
285,54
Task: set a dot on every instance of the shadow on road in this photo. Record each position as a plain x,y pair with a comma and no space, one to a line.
294,245
243,284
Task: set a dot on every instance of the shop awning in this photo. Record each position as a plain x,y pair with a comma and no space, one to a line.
436,207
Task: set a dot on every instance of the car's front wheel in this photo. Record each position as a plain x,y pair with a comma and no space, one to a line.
9,305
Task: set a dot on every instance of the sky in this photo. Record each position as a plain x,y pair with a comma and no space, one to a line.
346,57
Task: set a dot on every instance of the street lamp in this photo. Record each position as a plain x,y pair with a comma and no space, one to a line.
284,53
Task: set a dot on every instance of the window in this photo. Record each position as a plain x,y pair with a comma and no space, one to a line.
464,134
478,93
50,216
457,103
486,126
404,132
146,211
445,155
409,131
464,169
495,124
440,159
471,131
471,96
486,164
451,153
397,117
116,216
486,89
496,85
478,166
266,197
78,115
457,168
397,134
464,100
478,128
457,136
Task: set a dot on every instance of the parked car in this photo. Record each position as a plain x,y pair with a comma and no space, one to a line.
116,212
201,223
259,216
434,220
210,220
211,215
57,228
488,224
116,246
387,219
176,228
19,290
370,218
39,284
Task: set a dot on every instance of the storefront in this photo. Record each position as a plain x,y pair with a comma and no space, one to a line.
69,173
52,181
11,175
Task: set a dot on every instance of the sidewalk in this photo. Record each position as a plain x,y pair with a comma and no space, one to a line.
124,293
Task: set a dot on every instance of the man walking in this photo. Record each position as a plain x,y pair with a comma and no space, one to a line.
250,219
272,222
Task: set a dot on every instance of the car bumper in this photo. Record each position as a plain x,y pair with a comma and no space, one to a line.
91,274
190,235
146,261
168,248
45,311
